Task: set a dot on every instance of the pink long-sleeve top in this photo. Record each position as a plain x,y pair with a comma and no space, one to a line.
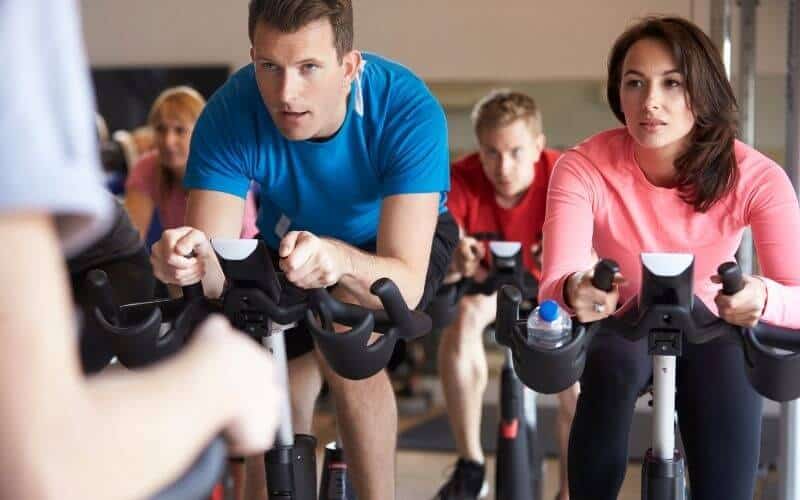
599,197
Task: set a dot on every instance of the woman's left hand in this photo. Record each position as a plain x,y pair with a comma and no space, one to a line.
745,307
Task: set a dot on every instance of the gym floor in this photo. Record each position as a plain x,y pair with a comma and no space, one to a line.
420,474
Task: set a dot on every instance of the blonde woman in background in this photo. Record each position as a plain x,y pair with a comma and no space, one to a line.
156,180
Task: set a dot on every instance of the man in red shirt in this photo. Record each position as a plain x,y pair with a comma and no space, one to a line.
502,189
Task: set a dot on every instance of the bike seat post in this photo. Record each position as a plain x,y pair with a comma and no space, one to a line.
664,407
275,343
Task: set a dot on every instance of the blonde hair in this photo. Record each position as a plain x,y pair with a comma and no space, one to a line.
185,102
502,107
182,100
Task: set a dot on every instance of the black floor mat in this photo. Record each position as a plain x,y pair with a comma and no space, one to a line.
434,434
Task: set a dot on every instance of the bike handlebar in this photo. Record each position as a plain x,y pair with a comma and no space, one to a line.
667,319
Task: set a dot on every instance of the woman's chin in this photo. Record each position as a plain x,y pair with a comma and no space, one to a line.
175,167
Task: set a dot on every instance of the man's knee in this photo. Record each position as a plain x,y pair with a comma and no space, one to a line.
350,388
475,313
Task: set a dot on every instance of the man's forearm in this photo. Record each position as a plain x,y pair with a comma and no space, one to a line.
178,406
67,437
214,279
124,436
218,215
362,269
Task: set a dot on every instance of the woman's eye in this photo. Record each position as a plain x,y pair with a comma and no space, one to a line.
673,83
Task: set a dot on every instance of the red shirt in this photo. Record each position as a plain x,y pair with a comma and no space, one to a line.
472,202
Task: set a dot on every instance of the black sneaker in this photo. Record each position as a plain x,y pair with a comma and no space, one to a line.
466,483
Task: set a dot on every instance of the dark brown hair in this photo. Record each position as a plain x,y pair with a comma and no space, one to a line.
707,170
502,107
289,16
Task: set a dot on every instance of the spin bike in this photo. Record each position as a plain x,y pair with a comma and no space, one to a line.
519,467
260,302
667,315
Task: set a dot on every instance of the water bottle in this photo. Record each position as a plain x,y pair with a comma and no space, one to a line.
548,326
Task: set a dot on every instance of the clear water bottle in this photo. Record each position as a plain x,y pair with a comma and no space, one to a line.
548,326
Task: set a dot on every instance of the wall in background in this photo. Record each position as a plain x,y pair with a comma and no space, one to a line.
519,40
573,110
554,50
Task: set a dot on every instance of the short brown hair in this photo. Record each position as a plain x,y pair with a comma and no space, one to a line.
707,170
289,16
502,107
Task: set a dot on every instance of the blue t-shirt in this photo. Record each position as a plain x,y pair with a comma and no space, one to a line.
393,141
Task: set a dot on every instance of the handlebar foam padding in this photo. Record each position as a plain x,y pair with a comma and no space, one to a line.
731,274
604,272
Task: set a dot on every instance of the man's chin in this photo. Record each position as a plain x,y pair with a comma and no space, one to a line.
296,134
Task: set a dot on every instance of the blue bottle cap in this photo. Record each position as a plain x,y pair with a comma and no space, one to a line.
548,310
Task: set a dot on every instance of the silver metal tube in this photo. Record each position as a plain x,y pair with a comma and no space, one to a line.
793,96
721,22
789,458
664,407
276,345
747,104
528,395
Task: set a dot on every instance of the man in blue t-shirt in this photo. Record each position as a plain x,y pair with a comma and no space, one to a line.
350,150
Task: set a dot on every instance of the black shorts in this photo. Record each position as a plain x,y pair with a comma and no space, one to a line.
445,238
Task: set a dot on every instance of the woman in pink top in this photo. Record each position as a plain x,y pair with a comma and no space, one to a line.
674,179
155,182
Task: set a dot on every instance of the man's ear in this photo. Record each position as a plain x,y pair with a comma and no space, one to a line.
541,141
351,62
252,54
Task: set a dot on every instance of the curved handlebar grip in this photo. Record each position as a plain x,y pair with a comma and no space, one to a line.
102,295
193,292
731,275
397,310
199,480
508,300
604,272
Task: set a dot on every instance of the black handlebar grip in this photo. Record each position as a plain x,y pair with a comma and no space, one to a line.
604,272
731,275
102,295
395,306
508,300
195,291
192,292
